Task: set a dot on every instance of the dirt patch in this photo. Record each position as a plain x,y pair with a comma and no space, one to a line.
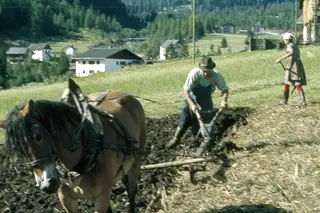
18,192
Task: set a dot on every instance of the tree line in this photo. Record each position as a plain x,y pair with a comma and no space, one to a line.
40,18
157,21
178,25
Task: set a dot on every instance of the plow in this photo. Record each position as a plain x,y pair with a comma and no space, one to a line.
207,131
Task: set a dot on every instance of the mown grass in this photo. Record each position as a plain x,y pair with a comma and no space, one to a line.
235,41
279,161
83,41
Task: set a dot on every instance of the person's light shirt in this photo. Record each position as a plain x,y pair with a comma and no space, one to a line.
196,77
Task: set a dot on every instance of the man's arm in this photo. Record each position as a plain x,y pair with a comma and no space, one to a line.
191,103
224,101
222,86
187,87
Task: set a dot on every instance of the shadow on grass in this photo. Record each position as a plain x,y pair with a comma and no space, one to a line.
248,208
222,159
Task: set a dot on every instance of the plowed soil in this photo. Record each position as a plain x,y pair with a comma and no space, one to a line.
18,192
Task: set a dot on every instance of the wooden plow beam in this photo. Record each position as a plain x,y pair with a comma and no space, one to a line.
176,163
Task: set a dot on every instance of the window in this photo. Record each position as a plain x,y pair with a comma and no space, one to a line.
98,62
117,63
91,62
91,71
122,63
83,72
83,62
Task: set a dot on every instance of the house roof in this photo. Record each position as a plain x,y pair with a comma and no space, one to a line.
108,53
39,46
228,25
168,42
71,46
300,20
17,51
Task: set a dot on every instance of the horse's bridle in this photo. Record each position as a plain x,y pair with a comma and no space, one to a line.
35,163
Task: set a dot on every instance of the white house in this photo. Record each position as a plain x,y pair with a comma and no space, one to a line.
70,50
40,52
228,28
104,60
177,46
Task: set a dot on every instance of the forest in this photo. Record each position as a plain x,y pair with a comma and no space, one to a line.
35,20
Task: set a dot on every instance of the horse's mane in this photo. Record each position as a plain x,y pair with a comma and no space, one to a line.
46,112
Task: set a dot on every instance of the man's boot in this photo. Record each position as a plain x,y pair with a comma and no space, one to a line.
285,98
176,138
302,99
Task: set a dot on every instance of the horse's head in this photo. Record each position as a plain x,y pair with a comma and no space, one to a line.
32,131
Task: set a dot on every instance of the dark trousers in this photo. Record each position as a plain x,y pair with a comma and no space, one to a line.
188,118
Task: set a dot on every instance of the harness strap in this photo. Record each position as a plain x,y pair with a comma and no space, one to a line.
121,169
98,100
118,127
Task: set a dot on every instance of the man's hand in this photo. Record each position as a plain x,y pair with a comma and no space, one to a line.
194,107
224,104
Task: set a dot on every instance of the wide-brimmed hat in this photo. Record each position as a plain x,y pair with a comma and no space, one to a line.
207,64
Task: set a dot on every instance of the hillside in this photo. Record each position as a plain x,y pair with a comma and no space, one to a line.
135,6
269,156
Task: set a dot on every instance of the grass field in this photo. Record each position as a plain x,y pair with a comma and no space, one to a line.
235,41
83,41
283,171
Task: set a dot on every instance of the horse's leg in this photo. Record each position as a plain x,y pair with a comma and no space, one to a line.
131,182
68,203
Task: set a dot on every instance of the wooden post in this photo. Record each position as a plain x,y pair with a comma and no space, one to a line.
315,22
176,163
194,29
295,18
250,43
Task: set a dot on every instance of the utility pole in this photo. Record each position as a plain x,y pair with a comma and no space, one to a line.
295,18
194,28
315,22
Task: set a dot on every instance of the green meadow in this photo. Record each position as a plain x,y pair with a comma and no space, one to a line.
235,42
253,77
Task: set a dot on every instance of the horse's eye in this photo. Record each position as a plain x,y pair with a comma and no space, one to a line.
38,137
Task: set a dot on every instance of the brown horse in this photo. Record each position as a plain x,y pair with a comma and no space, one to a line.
78,150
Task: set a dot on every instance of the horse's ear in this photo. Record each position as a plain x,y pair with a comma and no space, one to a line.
74,88
28,109
2,123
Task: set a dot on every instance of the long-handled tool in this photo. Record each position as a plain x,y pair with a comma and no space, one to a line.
294,87
203,127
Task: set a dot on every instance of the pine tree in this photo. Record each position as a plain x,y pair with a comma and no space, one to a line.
224,43
3,69
64,64
211,48
185,50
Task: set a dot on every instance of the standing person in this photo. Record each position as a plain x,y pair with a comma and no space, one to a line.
199,85
294,74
